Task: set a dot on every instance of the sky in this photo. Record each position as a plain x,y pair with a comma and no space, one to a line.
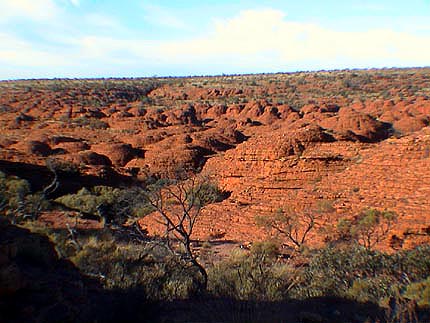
137,38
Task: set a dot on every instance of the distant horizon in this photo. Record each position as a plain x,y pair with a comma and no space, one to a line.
141,38
216,75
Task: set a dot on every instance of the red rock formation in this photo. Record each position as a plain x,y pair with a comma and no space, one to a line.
355,139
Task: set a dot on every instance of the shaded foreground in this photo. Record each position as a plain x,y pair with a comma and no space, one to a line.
112,281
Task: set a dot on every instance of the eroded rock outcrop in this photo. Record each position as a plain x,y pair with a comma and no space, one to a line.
362,126
354,138
118,153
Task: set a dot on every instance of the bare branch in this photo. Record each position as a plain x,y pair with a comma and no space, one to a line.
179,205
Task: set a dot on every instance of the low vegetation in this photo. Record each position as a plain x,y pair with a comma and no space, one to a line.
17,202
367,228
169,268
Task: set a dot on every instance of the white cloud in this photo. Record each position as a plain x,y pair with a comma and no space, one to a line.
15,51
252,41
253,34
76,3
39,10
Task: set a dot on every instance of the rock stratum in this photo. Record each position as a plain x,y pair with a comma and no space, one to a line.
351,139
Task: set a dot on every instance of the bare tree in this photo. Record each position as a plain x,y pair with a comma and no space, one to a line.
179,204
53,186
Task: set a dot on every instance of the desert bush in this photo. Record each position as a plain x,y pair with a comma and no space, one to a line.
120,265
85,200
63,168
145,100
254,276
206,193
114,205
332,271
257,275
362,274
91,123
65,244
419,292
414,264
371,289
371,226
17,201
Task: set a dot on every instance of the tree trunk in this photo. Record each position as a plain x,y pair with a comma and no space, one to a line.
195,263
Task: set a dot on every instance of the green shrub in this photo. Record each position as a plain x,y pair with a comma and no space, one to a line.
415,263
85,200
91,123
206,193
252,276
120,265
17,201
362,274
112,204
294,227
332,271
372,289
63,168
419,292
257,275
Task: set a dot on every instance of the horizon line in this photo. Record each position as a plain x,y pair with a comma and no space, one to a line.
155,76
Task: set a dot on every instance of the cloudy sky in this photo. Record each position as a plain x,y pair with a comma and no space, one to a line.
130,38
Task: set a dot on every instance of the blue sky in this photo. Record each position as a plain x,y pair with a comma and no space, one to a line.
131,38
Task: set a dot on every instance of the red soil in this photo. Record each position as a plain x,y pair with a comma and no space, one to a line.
354,139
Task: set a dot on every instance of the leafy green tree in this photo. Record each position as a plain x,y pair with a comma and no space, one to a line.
295,226
368,228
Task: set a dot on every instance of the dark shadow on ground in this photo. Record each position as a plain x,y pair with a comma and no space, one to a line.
40,177
36,286
318,310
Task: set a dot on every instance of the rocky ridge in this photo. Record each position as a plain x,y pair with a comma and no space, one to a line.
354,139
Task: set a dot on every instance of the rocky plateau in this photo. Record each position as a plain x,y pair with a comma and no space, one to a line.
353,139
